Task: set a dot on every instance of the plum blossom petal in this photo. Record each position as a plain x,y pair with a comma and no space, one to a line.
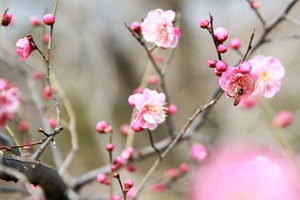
270,72
151,110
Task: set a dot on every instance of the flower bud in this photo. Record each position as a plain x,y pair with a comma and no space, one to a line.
221,66
221,34
124,129
203,23
110,147
221,48
49,19
172,109
245,67
101,126
283,119
35,20
212,63
136,27
198,152
218,73
52,122
184,167
6,19
235,43
101,178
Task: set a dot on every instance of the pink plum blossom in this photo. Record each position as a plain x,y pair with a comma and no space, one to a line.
270,74
150,106
237,84
24,47
246,172
158,28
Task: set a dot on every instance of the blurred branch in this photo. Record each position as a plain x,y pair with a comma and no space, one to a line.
292,19
36,173
257,13
273,23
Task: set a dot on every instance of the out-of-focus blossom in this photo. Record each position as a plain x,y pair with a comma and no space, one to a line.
131,193
246,172
151,110
249,102
6,19
35,20
283,119
172,173
9,103
157,187
172,109
158,28
24,47
237,84
127,153
23,126
270,74
198,152
235,43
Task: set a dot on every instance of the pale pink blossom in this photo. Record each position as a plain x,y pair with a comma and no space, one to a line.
237,84
270,74
246,172
158,28
150,106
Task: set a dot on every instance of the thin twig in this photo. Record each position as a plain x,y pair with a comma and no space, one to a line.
152,144
249,46
175,141
211,32
257,14
117,176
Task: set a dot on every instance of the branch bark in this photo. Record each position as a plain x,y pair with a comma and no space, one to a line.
38,174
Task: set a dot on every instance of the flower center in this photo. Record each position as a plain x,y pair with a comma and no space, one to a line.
264,76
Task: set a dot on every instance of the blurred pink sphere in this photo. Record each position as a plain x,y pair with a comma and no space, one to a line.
253,173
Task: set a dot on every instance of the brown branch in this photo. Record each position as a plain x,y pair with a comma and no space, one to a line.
37,174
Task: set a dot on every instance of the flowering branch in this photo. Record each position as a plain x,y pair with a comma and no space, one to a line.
176,140
169,120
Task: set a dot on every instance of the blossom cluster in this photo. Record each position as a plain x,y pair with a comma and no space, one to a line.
260,76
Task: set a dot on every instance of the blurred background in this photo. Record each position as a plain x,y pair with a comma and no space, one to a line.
99,64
